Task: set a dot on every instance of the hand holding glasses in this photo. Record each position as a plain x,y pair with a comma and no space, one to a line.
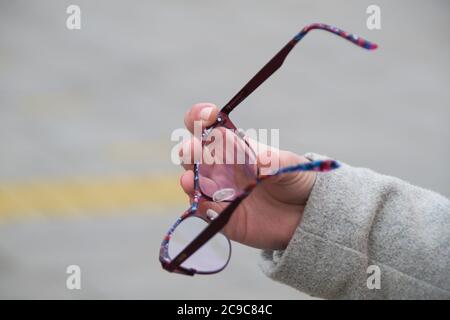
195,244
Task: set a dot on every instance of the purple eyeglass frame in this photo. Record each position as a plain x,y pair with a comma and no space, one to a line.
216,225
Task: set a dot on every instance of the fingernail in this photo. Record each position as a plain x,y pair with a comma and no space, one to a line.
223,194
205,113
211,214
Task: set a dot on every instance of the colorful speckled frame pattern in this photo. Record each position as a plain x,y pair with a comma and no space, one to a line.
216,225
164,257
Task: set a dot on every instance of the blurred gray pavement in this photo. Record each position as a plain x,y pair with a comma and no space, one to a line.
103,101
118,260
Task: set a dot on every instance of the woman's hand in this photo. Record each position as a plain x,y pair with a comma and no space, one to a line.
268,217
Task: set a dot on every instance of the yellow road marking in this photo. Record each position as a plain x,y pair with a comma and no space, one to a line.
69,196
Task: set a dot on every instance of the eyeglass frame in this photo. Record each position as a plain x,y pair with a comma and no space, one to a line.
216,225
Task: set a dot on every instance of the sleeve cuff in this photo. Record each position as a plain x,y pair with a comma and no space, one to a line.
318,260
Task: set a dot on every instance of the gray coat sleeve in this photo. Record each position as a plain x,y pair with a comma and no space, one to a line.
356,218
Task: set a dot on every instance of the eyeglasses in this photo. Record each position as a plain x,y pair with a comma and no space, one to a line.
194,244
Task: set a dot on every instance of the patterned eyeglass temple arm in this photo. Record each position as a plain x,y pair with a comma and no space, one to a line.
275,63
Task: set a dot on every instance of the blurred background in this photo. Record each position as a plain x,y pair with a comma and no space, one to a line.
86,117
